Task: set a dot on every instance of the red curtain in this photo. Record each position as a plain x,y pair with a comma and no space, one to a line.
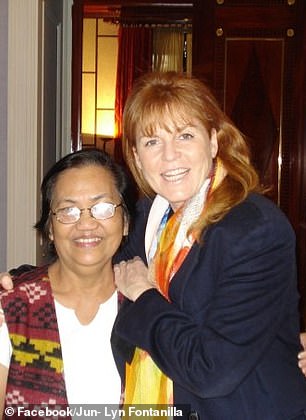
134,59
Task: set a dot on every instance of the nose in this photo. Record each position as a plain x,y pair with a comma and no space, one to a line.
86,220
170,151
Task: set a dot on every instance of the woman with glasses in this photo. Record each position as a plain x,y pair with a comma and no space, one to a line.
55,341
213,321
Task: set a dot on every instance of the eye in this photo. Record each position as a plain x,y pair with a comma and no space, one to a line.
103,210
150,142
186,136
68,211
67,214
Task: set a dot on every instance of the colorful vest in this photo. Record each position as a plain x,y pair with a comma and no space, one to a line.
36,369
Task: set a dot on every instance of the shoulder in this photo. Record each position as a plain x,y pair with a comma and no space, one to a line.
31,296
26,281
144,205
142,212
261,205
34,275
134,243
257,209
256,217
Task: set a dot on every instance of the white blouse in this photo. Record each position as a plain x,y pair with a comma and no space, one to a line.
90,373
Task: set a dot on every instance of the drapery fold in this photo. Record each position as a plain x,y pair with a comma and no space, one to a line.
168,44
143,48
134,59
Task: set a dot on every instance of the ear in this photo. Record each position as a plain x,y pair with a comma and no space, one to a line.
51,237
137,160
213,143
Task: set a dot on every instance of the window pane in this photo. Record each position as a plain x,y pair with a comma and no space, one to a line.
107,28
107,65
89,45
105,122
88,103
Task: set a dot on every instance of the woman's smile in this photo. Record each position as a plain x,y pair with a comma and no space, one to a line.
88,242
175,175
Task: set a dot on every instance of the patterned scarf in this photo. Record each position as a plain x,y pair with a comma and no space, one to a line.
168,241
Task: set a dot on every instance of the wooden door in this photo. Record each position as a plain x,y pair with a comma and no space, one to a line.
50,146
52,83
252,52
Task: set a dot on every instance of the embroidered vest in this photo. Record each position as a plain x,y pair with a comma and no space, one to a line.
36,369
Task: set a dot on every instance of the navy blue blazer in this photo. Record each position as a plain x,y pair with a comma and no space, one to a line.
229,339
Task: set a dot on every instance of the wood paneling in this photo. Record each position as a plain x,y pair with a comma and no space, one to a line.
254,60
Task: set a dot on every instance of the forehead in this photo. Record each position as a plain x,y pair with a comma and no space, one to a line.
170,125
167,119
85,180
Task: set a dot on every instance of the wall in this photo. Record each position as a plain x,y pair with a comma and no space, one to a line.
23,73
24,131
3,126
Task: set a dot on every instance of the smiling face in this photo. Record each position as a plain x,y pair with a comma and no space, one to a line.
176,160
88,242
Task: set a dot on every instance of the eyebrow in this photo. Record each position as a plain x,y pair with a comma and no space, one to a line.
69,200
178,130
189,125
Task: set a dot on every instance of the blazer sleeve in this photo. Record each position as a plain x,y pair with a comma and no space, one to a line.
232,300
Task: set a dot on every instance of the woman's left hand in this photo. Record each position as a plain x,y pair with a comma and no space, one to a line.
131,278
302,354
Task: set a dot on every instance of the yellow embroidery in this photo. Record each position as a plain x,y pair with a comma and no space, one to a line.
55,363
25,358
18,339
27,351
44,346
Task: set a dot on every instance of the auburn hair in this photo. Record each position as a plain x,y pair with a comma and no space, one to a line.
157,98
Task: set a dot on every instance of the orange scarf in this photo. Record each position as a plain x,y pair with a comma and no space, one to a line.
145,382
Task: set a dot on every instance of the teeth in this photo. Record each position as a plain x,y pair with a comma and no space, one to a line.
175,174
87,240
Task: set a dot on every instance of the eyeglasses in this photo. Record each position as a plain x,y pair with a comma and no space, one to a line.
99,211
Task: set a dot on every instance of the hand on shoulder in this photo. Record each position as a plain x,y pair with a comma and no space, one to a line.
6,281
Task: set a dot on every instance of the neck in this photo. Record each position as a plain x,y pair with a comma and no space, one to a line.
96,284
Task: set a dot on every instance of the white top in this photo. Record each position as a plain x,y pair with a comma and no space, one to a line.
91,376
